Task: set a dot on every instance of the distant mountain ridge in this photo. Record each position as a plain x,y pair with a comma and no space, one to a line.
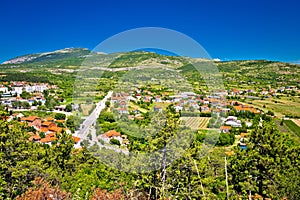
55,55
70,60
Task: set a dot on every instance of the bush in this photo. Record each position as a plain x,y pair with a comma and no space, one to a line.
60,116
226,139
68,108
270,113
205,114
115,141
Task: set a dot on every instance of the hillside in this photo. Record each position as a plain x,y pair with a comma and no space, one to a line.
253,73
169,121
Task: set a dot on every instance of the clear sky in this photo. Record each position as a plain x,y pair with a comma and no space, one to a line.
228,29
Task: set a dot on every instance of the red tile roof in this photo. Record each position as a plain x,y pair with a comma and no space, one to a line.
47,139
112,133
55,129
51,134
30,118
225,127
47,124
49,119
44,129
35,138
76,139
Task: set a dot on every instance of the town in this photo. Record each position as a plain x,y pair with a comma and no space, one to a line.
222,110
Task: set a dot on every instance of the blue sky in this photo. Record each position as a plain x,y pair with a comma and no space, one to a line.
229,29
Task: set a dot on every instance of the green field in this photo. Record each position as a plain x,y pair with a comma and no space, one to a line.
281,107
293,127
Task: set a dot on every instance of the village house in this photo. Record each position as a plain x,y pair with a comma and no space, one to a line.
48,140
112,134
122,111
243,108
233,121
49,119
157,108
205,109
34,121
3,89
158,99
225,129
77,141
46,126
34,137
178,108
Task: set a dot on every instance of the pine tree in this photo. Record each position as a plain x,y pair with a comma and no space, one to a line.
263,167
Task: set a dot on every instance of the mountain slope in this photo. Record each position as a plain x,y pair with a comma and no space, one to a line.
70,60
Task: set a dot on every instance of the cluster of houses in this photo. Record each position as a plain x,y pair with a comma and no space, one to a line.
36,97
18,87
184,101
265,92
12,95
48,126
113,134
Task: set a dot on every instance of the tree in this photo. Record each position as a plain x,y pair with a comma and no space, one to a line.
60,116
115,141
25,105
68,108
16,104
35,103
42,134
25,95
107,103
267,164
226,139
20,162
46,93
43,191
270,113
60,124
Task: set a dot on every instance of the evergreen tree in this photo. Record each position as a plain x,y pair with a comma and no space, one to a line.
265,167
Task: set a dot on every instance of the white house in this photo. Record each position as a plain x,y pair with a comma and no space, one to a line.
3,89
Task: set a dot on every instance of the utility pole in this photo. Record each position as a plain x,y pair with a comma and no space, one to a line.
226,176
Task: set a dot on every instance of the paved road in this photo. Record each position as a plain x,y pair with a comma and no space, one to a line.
88,126
91,119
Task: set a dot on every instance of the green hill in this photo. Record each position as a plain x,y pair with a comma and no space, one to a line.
252,73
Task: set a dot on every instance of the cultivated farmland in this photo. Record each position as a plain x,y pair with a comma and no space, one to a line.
196,122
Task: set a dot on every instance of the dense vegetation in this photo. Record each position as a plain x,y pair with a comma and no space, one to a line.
270,163
269,166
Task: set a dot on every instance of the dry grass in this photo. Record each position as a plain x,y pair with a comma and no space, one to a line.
86,108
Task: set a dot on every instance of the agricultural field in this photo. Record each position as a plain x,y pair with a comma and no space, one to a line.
293,127
281,107
134,106
86,108
196,122
296,121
